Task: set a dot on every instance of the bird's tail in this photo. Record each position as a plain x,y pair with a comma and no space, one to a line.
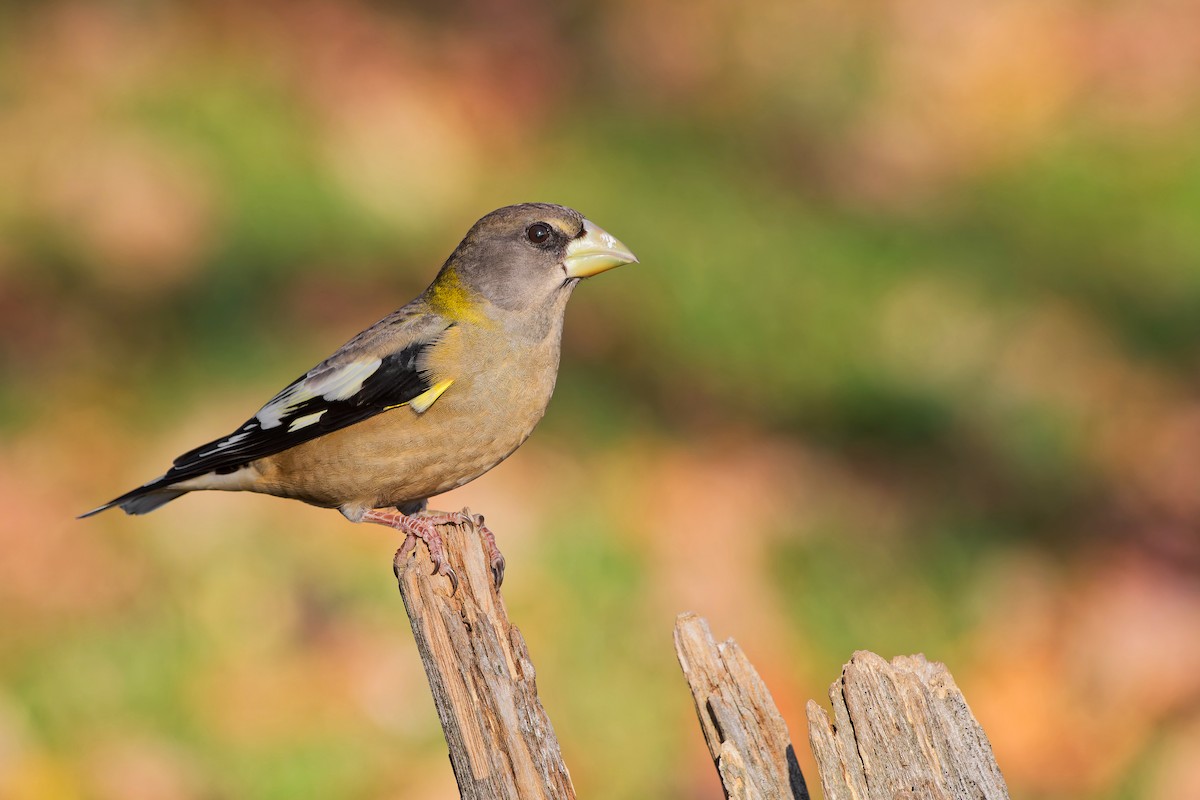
143,499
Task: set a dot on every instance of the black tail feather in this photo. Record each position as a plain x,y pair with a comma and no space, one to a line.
141,500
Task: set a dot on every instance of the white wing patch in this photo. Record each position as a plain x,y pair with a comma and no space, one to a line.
224,443
306,420
331,384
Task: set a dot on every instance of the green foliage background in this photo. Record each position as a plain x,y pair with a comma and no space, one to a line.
909,364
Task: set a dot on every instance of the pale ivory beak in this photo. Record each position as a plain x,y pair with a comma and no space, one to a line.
594,252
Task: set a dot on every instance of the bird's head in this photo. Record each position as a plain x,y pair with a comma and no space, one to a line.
527,255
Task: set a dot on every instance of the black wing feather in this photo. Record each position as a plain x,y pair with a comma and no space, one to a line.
395,382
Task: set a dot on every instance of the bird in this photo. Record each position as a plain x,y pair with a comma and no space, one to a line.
430,397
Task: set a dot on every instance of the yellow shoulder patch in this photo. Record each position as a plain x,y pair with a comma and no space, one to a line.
425,399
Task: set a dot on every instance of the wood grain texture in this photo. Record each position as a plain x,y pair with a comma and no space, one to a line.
901,730
746,735
501,742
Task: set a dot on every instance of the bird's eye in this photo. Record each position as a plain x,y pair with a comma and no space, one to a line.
538,233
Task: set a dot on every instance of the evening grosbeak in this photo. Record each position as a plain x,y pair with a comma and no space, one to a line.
428,398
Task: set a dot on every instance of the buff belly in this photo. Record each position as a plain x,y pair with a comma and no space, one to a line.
401,456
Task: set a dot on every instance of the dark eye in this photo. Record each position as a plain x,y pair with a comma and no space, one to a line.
538,233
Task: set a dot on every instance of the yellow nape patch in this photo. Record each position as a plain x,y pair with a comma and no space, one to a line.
450,298
425,399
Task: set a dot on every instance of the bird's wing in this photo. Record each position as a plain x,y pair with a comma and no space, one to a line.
364,378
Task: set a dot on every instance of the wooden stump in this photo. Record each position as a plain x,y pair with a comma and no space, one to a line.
746,735
901,730
501,742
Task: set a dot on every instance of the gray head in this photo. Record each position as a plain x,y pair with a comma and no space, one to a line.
529,255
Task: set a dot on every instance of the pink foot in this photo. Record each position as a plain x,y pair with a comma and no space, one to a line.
465,517
415,528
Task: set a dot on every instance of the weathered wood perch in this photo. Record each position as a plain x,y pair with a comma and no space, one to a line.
502,745
900,730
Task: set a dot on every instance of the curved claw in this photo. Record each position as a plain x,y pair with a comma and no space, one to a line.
445,569
489,539
423,527
415,528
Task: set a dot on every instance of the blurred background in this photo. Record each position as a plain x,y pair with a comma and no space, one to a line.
911,364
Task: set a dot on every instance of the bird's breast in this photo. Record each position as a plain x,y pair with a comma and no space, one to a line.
501,387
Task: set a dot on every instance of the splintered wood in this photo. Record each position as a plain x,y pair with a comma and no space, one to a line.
901,731
501,742
747,737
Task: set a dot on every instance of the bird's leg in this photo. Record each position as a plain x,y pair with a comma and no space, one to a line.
414,528
465,517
